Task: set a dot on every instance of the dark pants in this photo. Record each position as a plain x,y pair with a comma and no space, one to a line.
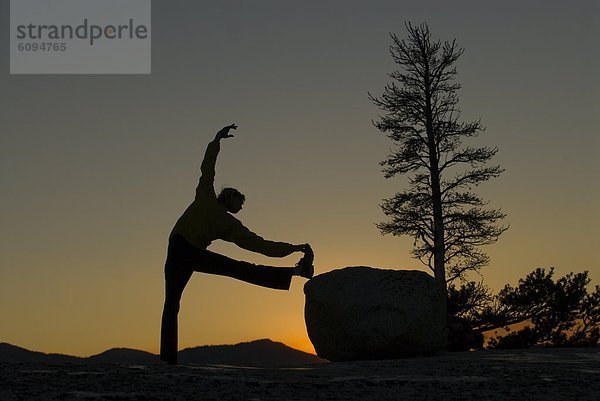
183,259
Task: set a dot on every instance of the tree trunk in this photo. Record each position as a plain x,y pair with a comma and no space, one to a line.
439,267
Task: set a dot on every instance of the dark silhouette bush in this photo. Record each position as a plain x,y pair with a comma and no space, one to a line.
561,313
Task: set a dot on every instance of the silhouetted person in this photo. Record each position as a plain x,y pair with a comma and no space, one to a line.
208,218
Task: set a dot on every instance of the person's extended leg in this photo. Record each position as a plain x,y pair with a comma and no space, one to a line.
204,261
176,277
278,278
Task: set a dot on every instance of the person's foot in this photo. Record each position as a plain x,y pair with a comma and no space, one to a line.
304,267
170,359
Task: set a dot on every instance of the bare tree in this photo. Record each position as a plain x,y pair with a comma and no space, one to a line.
439,210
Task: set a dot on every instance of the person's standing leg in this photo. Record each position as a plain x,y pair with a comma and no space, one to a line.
177,276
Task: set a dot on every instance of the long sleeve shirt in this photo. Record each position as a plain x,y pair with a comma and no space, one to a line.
206,220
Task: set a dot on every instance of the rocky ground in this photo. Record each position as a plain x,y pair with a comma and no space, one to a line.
541,374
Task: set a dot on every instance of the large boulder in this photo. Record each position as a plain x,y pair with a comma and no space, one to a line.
360,313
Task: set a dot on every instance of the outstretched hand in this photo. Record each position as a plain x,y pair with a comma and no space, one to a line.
224,132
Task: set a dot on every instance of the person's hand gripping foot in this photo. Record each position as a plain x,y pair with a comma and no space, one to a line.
305,267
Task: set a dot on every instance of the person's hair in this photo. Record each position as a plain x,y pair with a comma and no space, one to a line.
228,193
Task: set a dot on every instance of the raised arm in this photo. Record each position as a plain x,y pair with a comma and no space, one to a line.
210,159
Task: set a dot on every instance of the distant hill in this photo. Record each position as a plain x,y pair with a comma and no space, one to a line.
266,353
260,353
12,353
124,355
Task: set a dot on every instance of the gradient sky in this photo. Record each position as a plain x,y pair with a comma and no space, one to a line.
95,170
